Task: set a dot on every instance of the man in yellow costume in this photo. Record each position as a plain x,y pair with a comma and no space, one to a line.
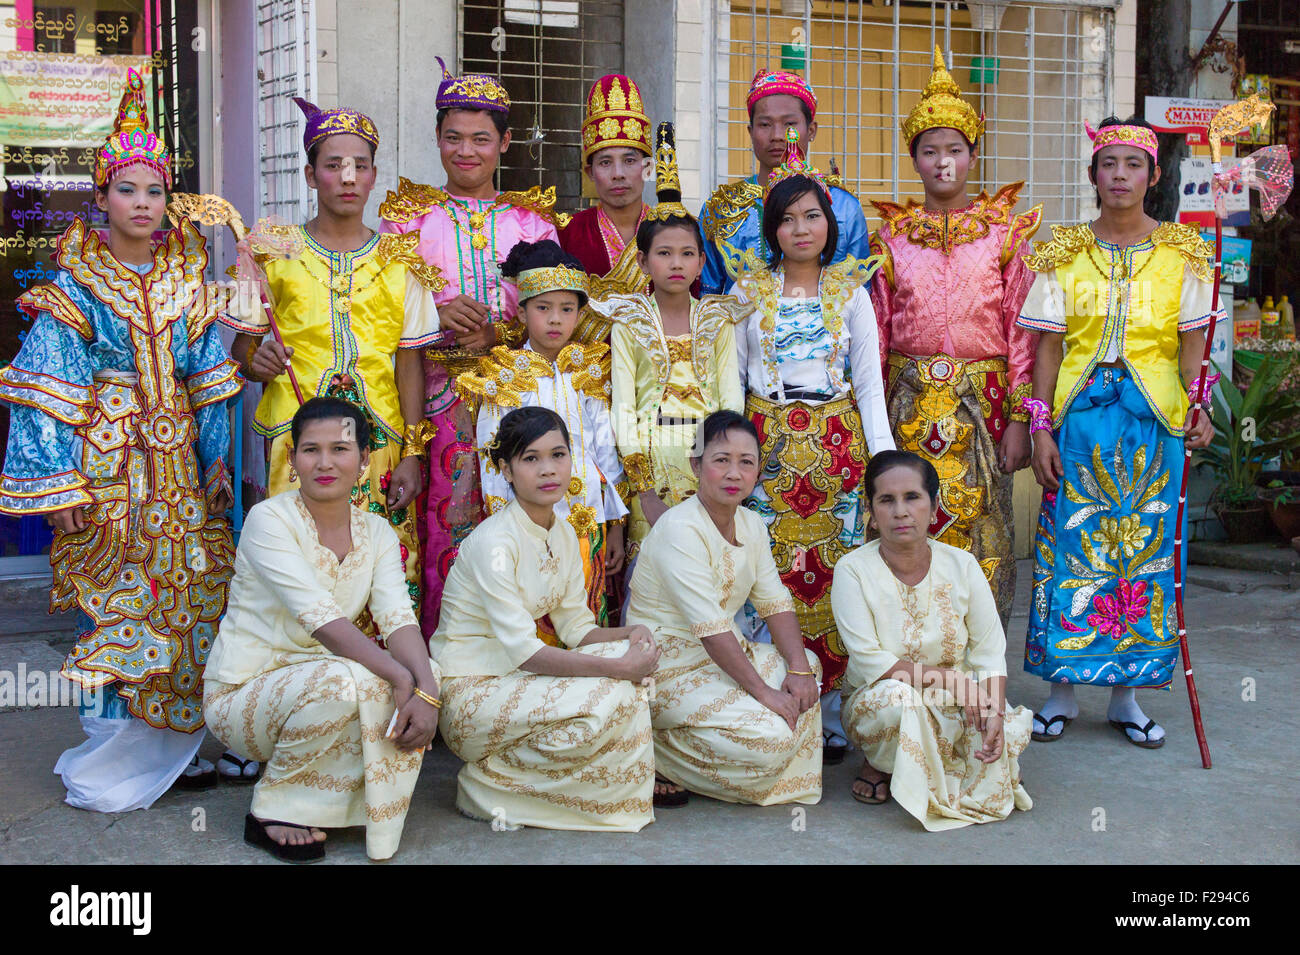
353,308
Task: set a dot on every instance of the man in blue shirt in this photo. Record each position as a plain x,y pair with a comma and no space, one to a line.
732,216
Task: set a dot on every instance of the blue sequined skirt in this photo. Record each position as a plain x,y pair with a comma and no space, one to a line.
1102,609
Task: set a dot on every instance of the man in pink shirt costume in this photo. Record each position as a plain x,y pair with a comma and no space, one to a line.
957,366
466,229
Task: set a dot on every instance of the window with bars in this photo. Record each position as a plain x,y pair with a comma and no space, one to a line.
547,53
285,69
1037,69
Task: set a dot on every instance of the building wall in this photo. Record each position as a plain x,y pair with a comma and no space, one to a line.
378,56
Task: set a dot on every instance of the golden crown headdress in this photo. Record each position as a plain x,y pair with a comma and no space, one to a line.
941,107
794,165
131,143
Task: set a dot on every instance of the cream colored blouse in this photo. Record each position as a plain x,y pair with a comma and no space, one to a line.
949,619
508,574
689,582
288,585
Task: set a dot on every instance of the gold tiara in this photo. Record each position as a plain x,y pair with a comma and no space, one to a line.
553,278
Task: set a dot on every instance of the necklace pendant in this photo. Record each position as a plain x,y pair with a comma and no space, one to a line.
479,242
476,220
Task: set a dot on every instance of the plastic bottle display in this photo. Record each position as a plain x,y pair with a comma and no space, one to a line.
1286,325
1245,320
1269,320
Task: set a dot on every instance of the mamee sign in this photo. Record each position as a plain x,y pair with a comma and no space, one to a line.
1190,116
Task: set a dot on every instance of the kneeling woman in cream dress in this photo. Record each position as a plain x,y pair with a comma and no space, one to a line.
925,690
554,730
292,680
735,720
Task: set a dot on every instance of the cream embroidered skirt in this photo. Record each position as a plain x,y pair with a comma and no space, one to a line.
715,739
930,751
550,751
319,724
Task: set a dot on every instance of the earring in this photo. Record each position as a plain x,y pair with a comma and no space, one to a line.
293,475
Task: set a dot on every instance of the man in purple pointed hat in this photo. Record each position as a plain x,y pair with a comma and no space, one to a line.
354,309
466,229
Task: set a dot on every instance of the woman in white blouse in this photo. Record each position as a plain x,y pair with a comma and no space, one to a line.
552,721
810,365
733,719
341,721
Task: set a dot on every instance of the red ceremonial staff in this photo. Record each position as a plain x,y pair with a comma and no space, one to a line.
1268,170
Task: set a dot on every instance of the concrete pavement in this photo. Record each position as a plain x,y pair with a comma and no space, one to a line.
1097,799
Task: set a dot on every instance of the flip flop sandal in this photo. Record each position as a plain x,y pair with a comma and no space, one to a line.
1046,737
875,799
670,800
242,776
832,753
1144,730
255,834
195,782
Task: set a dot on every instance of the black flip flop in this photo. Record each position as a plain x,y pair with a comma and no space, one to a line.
875,799
198,781
255,834
833,753
1046,737
670,800
1144,730
242,764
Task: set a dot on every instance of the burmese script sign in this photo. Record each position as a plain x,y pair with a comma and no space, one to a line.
58,99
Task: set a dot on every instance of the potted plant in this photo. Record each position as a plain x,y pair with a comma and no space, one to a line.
1283,499
1247,429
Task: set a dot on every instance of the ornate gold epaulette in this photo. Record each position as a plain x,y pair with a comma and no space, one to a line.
50,298
404,248
540,201
1022,228
503,374
881,248
411,199
727,208
589,363
1065,245
1196,250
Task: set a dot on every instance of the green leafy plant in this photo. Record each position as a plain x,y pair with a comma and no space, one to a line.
1250,428
1281,493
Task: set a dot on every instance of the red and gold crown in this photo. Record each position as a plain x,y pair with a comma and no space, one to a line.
615,117
941,107
794,165
131,143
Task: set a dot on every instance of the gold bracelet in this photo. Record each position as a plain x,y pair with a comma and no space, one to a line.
415,441
800,672
431,700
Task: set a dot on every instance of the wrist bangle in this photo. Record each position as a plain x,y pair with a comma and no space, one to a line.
415,441
1040,416
431,700
799,672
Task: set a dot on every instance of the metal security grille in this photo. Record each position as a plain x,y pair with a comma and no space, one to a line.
1036,69
286,67
547,53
